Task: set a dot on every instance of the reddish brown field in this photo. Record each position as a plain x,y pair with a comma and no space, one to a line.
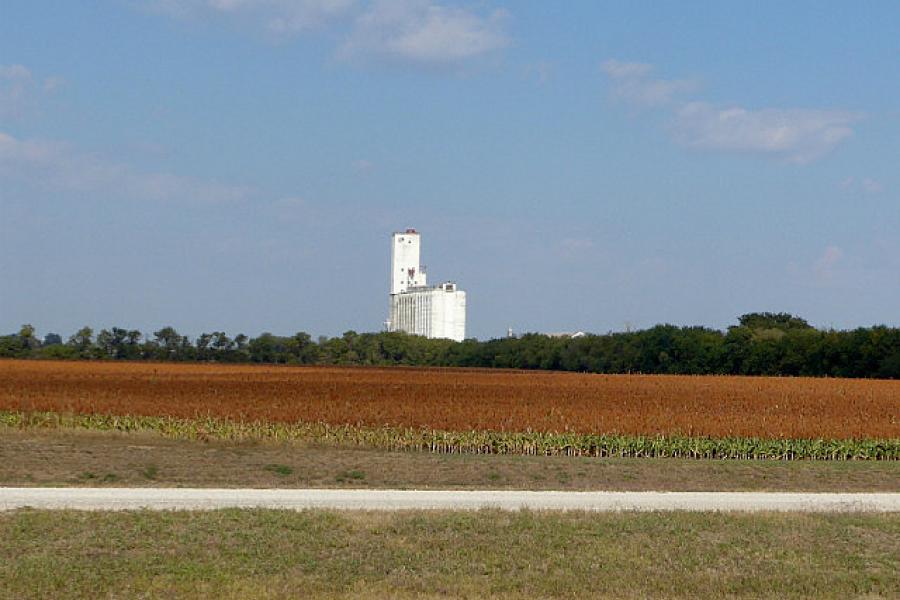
463,399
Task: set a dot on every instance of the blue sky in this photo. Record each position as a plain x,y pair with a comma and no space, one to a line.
240,164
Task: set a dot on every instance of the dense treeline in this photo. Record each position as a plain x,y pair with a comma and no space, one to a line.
760,344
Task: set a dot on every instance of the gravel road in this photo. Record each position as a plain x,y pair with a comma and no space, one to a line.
210,499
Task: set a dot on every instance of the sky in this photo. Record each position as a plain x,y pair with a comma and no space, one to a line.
239,165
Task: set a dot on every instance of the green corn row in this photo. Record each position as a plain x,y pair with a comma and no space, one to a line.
472,442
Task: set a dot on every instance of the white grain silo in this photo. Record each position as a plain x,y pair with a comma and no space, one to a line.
436,312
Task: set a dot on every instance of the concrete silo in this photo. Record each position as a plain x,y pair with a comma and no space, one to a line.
435,312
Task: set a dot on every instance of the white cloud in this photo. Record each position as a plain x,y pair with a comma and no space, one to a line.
631,82
14,152
16,84
541,70
20,91
59,165
872,186
424,32
865,184
573,247
51,84
363,165
621,70
798,135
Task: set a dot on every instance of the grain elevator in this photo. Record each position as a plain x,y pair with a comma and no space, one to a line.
432,311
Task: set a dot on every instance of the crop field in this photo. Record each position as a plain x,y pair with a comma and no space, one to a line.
497,411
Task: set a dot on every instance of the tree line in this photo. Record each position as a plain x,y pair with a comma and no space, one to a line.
760,344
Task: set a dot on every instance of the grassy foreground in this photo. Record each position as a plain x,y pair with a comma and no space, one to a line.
279,554
69,457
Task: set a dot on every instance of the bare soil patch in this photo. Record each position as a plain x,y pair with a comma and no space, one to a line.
81,458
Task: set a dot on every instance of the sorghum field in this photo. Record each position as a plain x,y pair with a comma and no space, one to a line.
462,400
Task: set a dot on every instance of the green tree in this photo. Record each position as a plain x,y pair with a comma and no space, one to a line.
52,339
767,320
27,337
302,349
169,342
267,348
204,340
82,341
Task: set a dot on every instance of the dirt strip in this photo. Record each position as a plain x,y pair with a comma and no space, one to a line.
92,459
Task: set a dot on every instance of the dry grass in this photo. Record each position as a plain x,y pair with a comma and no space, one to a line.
272,554
463,400
61,458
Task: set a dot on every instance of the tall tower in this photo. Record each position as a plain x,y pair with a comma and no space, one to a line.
406,272
434,312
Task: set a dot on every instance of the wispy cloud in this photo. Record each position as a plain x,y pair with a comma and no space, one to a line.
797,135
421,32
60,165
865,184
542,71
15,82
424,32
575,247
872,186
363,165
273,16
20,89
632,82
825,266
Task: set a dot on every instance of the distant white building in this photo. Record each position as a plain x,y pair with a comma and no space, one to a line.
566,334
436,312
